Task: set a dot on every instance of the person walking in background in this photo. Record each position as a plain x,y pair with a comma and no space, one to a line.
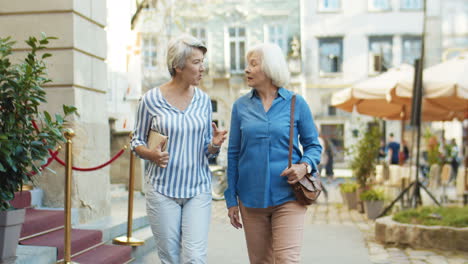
330,152
178,180
392,149
259,182
403,154
451,156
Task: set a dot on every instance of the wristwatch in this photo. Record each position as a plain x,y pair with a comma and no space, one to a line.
308,167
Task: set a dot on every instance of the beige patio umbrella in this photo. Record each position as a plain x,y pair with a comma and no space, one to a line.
373,97
369,97
445,87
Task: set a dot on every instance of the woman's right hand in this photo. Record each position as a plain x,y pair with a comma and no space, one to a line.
161,158
233,213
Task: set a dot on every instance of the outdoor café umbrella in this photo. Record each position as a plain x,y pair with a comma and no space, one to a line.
445,87
373,97
369,97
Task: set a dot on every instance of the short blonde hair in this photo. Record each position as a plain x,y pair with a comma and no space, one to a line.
273,63
179,49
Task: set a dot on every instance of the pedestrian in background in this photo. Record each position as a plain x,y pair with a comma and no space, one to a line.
259,182
330,152
451,156
178,180
393,148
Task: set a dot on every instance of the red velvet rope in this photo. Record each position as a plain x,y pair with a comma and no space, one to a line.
54,156
93,168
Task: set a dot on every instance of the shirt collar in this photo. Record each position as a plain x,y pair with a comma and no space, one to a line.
283,93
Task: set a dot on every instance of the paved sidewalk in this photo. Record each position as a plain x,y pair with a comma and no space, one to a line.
333,235
322,242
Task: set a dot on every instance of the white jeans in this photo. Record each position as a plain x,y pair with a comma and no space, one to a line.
179,224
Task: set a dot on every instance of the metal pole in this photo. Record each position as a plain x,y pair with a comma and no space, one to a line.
69,134
128,240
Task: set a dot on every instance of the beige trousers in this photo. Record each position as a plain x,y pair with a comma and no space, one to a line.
274,234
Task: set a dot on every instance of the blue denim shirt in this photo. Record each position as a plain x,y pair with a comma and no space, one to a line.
258,149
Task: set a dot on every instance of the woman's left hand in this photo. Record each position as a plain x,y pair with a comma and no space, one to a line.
295,173
219,135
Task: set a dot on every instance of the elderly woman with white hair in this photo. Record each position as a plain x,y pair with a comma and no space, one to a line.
178,179
258,178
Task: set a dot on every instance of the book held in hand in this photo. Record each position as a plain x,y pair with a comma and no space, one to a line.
155,138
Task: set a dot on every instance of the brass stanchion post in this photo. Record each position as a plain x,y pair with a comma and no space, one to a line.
128,240
69,134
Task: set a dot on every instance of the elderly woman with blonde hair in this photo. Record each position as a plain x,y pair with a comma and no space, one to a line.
258,178
178,179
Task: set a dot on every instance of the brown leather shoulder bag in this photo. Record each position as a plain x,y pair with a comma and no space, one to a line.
308,189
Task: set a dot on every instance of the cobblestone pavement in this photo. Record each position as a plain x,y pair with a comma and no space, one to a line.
334,213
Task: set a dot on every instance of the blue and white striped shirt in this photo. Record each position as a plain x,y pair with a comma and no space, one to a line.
187,173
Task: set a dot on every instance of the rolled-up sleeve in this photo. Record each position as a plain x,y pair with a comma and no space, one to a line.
233,159
308,135
142,125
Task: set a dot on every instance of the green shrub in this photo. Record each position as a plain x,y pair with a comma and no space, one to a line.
441,216
22,148
365,153
372,195
348,187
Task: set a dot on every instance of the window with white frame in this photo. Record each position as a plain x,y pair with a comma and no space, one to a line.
381,47
411,49
237,49
277,34
148,49
412,4
330,55
379,5
199,33
329,5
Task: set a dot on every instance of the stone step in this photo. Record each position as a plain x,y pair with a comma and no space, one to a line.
108,254
40,221
115,226
119,192
112,226
80,240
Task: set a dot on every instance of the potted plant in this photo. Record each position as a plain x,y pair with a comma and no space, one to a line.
23,149
348,190
373,202
365,158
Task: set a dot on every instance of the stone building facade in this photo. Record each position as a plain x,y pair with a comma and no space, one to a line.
78,71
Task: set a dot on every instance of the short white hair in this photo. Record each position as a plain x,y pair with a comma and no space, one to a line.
273,62
179,49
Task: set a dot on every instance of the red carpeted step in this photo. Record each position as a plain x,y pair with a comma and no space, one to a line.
37,221
108,254
21,200
81,239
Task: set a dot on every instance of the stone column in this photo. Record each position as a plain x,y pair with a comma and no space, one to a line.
78,70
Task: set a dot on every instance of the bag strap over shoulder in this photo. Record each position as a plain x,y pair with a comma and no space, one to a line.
291,130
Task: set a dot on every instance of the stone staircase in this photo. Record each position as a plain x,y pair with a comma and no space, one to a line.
43,233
